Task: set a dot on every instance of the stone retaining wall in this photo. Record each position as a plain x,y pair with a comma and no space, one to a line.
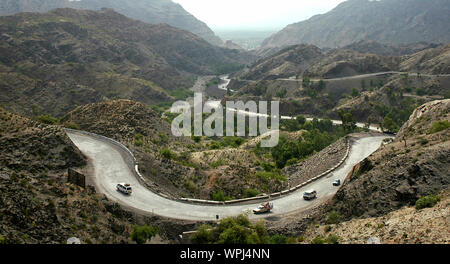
277,194
134,166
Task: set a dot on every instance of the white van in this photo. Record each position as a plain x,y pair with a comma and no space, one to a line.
309,195
124,188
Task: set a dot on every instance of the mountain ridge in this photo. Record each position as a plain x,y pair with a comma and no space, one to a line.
150,11
388,22
77,57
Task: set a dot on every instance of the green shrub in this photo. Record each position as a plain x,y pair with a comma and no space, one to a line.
439,126
203,235
214,145
315,139
278,239
163,138
168,154
427,201
72,126
420,92
301,119
251,193
333,239
190,186
333,218
181,94
447,95
141,234
233,142
2,240
232,230
47,119
355,92
267,176
138,140
196,139
217,163
318,240
218,195
269,167
291,162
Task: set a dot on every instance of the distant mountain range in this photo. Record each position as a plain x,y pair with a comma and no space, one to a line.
150,11
387,21
75,57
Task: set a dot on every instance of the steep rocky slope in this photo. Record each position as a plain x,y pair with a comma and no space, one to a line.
376,200
150,11
342,63
288,62
431,61
374,47
144,132
36,203
358,58
39,206
404,226
31,146
376,88
414,165
76,57
387,21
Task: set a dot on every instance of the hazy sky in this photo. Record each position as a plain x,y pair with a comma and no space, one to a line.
255,14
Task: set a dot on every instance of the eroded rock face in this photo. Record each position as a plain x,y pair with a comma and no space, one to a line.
400,175
391,22
404,226
37,205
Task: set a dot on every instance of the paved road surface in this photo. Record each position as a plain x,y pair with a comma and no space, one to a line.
364,76
110,169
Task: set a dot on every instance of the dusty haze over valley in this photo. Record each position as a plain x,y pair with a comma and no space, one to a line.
146,122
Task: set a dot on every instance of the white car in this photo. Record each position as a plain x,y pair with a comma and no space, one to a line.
124,188
309,195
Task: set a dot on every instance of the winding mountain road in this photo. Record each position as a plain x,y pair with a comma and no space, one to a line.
110,167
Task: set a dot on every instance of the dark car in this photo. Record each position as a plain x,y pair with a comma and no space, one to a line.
337,182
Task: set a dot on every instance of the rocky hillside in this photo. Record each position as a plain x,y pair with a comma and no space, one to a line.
429,61
288,62
77,57
415,164
175,166
36,203
374,47
39,206
150,11
144,132
119,119
386,21
377,89
358,58
342,63
404,226
28,145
